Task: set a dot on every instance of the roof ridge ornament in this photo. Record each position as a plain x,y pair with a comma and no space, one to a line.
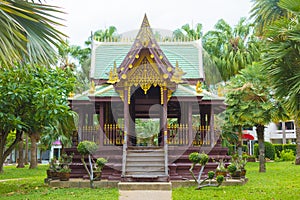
113,75
199,87
177,75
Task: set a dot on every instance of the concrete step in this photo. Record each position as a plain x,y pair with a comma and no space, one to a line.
145,186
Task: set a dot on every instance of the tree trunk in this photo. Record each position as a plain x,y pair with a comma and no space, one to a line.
261,146
34,137
26,150
4,153
297,162
240,141
21,154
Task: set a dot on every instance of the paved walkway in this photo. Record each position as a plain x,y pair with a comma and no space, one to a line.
145,195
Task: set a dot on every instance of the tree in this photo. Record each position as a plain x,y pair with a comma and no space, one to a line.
28,32
264,13
231,49
188,33
109,34
33,100
281,59
251,101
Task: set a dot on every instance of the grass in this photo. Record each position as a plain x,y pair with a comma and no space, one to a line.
31,186
281,181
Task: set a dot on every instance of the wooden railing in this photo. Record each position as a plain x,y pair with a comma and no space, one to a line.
91,133
113,135
201,136
178,135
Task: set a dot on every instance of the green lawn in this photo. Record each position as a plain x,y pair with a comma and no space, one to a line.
32,186
282,181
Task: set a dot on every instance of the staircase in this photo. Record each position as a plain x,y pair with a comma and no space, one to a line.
145,164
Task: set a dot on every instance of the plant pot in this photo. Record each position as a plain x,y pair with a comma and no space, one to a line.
49,173
251,159
97,176
54,175
221,173
64,176
243,173
236,175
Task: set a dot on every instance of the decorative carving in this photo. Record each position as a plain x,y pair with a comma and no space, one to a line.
92,88
178,73
113,75
199,87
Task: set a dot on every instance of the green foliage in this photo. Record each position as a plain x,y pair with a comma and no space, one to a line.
203,159
287,155
269,150
211,174
100,162
281,147
231,168
194,157
28,32
87,147
220,179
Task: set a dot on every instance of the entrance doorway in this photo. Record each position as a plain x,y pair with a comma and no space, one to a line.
147,131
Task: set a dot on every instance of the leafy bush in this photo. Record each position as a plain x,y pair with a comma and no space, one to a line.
101,162
211,174
232,149
231,168
194,157
287,155
220,179
87,147
280,147
269,150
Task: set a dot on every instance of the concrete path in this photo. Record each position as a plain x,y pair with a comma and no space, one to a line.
145,195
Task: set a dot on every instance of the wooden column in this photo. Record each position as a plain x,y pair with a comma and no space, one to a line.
126,116
165,115
190,124
212,128
101,123
80,123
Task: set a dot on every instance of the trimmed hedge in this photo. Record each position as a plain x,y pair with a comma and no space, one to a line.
269,150
280,147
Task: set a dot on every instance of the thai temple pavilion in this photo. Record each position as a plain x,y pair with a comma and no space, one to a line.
140,81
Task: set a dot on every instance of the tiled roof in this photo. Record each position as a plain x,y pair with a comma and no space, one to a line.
183,90
188,55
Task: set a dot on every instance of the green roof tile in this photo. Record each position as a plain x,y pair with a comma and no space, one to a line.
186,53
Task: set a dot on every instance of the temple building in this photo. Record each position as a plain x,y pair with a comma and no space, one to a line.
147,109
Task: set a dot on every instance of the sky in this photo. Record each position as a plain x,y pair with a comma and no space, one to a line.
84,17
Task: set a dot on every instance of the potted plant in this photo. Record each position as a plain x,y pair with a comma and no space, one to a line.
100,163
64,173
234,171
221,169
65,170
52,171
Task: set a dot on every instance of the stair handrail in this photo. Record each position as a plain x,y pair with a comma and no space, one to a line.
166,151
124,154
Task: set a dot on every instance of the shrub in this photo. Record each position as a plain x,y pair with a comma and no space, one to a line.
287,155
291,147
220,179
194,157
101,162
269,150
87,147
211,174
231,168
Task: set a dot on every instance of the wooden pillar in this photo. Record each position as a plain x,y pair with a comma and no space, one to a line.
212,127
190,124
101,123
81,124
165,115
126,115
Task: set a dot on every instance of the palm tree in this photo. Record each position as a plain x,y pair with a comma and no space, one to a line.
281,59
109,34
188,33
28,32
251,102
264,13
231,49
